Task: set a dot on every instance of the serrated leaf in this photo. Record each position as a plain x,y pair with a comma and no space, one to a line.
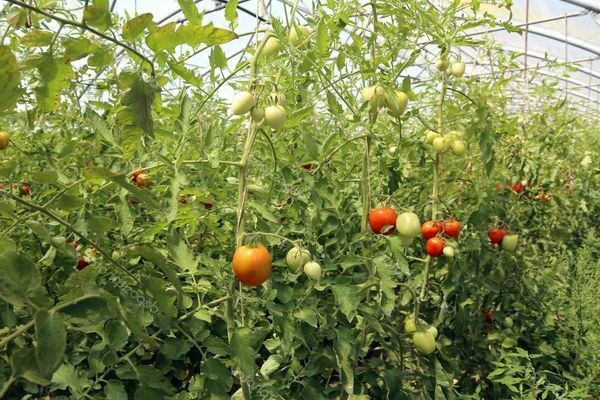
217,58
168,36
241,350
37,38
347,297
97,14
68,377
271,365
344,348
19,278
114,390
190,10
51,341
133,28
10,78
54,77
187,74
138,106
231,13
180,252
100,126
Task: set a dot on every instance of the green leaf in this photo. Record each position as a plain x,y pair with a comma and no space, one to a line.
69,202
322,36
100,225
388,285
168,36
217,58
308,316
180,252
19,278
271,365
10,78
334,106
344,348
219,380
241,350
68,377
24,364
37,38
44,177
231,13
190,11
347,297
114,390
77,48
51,341
54,75
100,126
97,14
133,28
138,106
187,74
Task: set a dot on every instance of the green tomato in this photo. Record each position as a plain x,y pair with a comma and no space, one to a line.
424,341
458,147
397,105
458,69
406,241
408,225
439,145
257,113
442,63
448,251
298,35
431,136
275,116
508,322
312,269
242,103
410,325
272,47
296,258
433,330
510,242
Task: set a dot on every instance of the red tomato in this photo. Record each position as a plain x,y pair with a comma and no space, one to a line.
451,228
489,316
435,247
496,235
252,265
308,166
135,174
381,217
25,189
81,264
208,206
131,202
429,229
517,187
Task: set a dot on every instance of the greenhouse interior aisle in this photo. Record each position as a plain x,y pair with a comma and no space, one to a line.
289,199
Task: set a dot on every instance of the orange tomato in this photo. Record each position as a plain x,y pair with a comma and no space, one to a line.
252,265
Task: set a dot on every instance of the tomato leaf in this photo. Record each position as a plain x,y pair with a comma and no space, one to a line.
51,341
133,28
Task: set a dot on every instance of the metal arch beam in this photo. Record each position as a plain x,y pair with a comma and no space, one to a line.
582,44
541,56
591,5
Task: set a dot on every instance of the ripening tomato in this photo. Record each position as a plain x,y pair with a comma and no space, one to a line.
517,187
429,229
496,235
142,180
207,206
4,140
308,166
380,217
435,247
451,228
135,174
488,316
543,196
82,263
252,265
183,200
25,189
74,244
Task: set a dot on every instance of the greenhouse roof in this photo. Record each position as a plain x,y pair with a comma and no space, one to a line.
554,32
